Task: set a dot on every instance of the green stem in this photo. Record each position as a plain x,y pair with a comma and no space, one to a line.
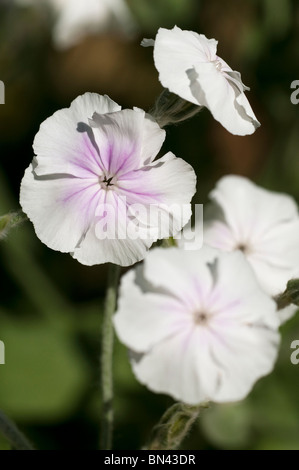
13,434
174,426
107,357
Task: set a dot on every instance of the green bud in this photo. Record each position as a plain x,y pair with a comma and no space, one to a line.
171,109
293,291
174,426
289,296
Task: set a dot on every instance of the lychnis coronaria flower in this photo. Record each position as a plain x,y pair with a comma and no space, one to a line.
261,223
198,324
94,189
189,66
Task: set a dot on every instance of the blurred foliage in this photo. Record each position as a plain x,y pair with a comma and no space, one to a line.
50,310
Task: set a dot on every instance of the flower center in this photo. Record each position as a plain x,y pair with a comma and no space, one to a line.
244,247
201,318
107,182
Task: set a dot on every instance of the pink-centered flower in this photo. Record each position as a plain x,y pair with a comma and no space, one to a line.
94,177
198,324
189,66
263,224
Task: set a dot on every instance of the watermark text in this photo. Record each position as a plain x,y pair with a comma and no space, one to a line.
295,94
295,354
2,92
123,221
2,353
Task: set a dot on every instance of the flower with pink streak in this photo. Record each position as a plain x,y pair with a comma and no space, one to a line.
198,325
94,176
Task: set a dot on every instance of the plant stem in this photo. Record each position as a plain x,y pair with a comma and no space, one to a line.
174,426
107,357
13,434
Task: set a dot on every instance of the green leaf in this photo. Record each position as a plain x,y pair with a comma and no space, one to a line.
44,375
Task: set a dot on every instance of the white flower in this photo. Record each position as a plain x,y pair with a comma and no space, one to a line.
189,67
198,324
261,223
94,189
76,18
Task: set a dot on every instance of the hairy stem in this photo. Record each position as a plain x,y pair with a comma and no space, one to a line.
107,357
13,434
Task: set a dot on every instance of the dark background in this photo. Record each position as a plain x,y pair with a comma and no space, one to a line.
50,305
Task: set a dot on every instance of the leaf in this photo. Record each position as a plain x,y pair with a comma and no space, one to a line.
44,375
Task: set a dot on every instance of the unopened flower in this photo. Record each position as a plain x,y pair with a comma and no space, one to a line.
189,66
261,223
198,324
94,189
74,19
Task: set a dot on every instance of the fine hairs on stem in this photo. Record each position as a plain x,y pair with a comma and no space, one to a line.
171,109
107,357
13,435
174,426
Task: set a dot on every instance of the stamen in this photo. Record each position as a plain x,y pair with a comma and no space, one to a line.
201,318
243,247
106,182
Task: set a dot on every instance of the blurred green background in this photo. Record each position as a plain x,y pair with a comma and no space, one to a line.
50,307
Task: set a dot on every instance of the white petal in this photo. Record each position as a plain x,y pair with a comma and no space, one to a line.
143,319
119,137
121,252
183,273
61,209
113,245
64,143
275,257
210,88
171,367
152,138
193,367
243,354
177,51
249,210
84,106
219,235
237,294
273,279
165,189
